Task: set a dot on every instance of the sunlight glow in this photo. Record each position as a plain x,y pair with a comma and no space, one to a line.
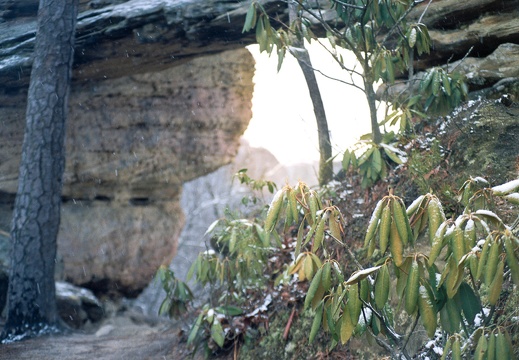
283,120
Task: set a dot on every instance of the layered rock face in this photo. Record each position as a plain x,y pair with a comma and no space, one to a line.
479,39
131,143
466,28
161,95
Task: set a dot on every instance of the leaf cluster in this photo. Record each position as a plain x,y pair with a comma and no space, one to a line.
442,91
302,205
208,328
178,294
372,160
243,248
456,287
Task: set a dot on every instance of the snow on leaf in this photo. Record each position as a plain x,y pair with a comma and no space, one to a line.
506,188
361,274
513,198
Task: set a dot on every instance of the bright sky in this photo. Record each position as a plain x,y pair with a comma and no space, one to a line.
283,120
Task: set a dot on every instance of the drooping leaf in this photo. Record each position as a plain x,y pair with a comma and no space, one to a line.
471,305
317,322
250,18
217,333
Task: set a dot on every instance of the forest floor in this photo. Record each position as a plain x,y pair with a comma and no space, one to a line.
127,336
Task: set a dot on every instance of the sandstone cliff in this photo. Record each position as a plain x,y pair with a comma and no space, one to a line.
131,144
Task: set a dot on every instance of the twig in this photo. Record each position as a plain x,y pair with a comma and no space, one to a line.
390,332
293,53
411,332
289,324
384,344
464,57
357,7
424,11
354,258
397,23
328,28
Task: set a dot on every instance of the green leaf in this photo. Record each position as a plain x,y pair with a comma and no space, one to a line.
346,160
194,330
261,35
330,320
366,155
426,81
299,241
347,326
413,100
229,310
376,160
394,157
316,324
314,285
165,306
250,18
192,269
470,304
429,102
446,83
217,333
436,82
281,57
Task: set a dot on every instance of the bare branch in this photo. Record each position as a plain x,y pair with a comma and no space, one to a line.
411,332
461,61
424,11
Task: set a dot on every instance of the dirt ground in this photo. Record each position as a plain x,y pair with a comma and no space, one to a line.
126,336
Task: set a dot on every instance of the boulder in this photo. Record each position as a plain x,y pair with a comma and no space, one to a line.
77,306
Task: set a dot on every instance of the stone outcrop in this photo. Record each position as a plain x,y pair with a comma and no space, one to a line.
482,139
131,143
490,76
77,306
457,26
119,38
159,98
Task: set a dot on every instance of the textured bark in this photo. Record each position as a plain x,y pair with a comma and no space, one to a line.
325,146
371,98
36,217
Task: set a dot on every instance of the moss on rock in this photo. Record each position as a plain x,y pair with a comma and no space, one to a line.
483,140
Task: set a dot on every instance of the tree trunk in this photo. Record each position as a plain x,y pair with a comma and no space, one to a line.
325,147
376,136
36,215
